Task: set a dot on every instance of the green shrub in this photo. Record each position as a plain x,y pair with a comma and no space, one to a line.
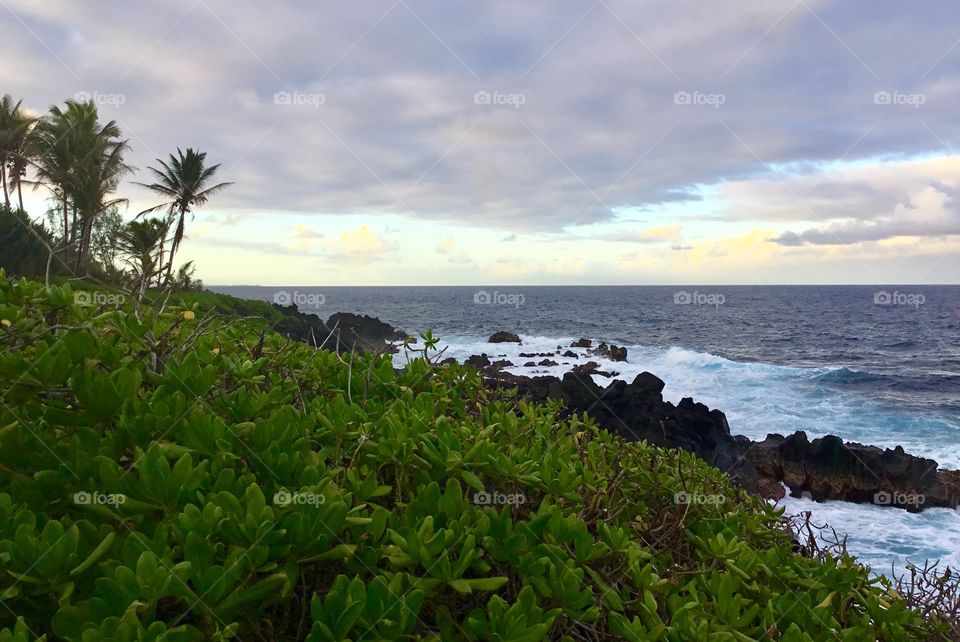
175,479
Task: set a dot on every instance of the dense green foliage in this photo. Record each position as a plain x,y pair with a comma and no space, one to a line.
180,478
24,244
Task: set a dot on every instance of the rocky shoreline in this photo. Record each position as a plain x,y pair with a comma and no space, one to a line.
826,468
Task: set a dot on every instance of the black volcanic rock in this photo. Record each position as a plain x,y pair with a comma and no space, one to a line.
829,468
343,331
612,352
581,343
360,332
477,361
503,337
826,468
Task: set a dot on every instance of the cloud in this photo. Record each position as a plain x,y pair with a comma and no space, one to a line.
382,116
304,238
660,234
446,245
916,205
361,243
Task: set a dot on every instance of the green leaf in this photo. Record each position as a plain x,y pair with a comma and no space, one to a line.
97,553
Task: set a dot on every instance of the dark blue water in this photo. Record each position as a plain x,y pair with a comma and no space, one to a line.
906,352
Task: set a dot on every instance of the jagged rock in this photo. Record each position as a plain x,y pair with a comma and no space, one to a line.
529,364
771,489
547,363
343,331
826,468
612,352
829,468
588,368
570,354
592,368
477,361
448,361
581,343
503,337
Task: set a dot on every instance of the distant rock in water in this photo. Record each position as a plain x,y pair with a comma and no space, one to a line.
581,343
477,361
503,337
612,352
592,368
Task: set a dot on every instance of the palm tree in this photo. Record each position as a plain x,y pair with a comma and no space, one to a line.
140,242
185,181
15,128
24,152
81,161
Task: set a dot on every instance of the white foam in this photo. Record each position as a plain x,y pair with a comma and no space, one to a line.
881,536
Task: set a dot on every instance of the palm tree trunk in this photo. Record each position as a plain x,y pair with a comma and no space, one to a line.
66,229
177,238
78,234
85,237
20,193
3,179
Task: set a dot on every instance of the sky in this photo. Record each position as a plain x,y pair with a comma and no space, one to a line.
402,142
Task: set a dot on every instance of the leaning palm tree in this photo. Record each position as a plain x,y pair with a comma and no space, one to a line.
185,181
15,126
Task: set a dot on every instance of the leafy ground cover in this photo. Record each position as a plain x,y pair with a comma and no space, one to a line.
183,476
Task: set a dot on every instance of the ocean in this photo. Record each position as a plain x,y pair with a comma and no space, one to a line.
876,365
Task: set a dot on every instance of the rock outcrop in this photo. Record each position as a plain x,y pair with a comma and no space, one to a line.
343,331
353,332
503,337
612,352
825,468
